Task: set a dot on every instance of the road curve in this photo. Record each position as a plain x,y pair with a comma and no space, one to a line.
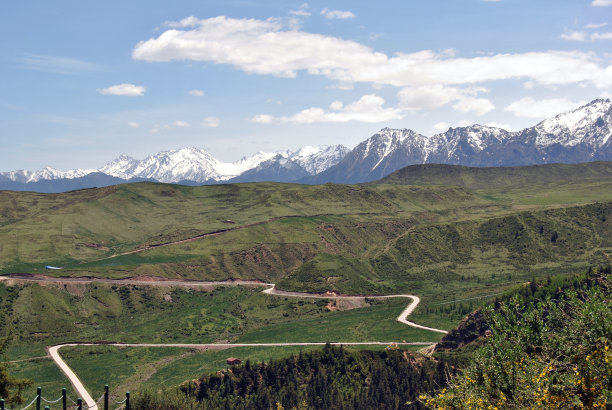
270,290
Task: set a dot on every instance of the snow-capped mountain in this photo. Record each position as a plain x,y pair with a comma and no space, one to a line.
197,165
47,173
580,135
288,166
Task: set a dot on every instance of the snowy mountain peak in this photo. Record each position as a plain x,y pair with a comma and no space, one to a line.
574,127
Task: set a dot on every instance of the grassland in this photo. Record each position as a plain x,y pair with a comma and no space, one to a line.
453,243
51,314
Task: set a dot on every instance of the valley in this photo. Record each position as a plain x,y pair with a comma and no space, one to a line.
184,267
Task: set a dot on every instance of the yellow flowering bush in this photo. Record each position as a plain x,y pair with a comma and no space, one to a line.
553,353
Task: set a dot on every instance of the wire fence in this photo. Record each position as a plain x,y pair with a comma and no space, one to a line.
64,400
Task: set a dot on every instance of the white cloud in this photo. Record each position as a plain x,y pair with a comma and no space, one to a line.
432,97
478,106
582,36
465,123
368,108
441,126
263,119
186,22
301,13
602,36
211,122
181,124
133,124
128,90
503,126
595,25
574,36
267,47
196,93
336,14
529,108
601,3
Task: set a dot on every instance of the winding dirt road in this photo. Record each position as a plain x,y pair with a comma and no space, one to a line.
270,290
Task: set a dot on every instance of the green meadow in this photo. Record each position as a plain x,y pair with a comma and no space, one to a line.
455,242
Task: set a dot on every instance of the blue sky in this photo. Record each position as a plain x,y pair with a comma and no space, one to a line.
86,81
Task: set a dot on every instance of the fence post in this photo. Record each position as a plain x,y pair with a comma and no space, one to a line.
64,403
1,404
79,404
38,398
127,401
106,397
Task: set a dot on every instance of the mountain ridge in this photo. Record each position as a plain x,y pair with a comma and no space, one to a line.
580,135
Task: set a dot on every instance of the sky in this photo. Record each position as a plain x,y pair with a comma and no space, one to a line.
83,82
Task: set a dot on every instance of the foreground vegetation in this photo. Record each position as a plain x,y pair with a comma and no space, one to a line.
549,351
549,347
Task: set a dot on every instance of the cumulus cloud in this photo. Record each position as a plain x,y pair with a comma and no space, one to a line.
211,122
337,14
301,13
125,89
478,106
368,108
186,22
436,96
529,108
181,124
133,124
196,93
268,47
601,3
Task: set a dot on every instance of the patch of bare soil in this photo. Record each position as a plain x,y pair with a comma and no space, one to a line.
346,304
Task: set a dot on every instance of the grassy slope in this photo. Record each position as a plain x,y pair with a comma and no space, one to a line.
499,177
45,315
444,243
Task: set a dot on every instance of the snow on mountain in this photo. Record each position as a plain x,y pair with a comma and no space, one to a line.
47,173
315,159
194,164
590,124
584,134
21,176
581,135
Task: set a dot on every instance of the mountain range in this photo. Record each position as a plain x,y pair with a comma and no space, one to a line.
581,135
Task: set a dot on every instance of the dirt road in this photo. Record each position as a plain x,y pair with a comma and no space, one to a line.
270,290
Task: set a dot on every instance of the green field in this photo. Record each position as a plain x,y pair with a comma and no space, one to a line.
455,242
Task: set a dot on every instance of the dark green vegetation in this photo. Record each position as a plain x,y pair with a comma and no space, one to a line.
40,316
332,378
550,347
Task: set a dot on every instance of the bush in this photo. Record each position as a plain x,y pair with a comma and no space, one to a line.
553,353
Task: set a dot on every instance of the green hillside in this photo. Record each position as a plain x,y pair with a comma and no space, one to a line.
350,238
499,177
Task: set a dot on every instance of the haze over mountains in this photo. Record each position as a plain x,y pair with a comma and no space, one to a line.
581,135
